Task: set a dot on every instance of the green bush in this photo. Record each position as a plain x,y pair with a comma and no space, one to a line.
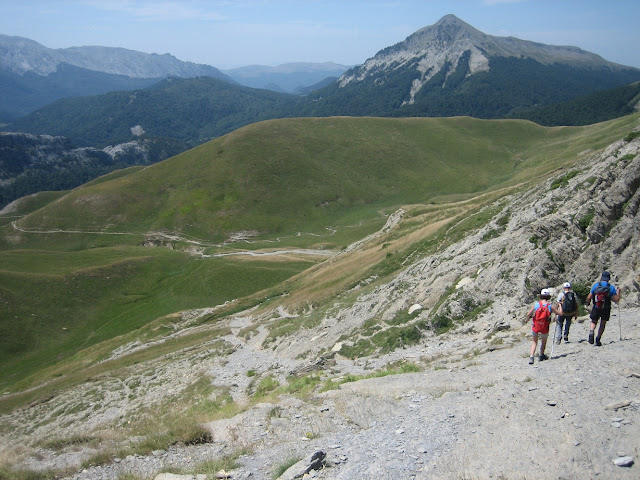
632,136
441,324
585,221
564,180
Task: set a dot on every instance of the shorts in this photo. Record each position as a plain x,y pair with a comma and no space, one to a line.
537,335
597,314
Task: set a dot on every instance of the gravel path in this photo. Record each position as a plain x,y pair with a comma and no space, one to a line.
481,416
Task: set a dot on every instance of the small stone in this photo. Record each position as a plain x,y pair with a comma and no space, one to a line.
623,461
400,431
617,405
551,403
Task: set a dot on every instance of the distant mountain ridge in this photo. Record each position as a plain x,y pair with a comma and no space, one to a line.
21,55
32,75
288,77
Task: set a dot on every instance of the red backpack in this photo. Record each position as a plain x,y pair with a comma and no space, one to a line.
542,318
601,298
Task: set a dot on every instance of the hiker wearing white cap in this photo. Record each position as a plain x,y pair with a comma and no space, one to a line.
602,293
541,313
569,303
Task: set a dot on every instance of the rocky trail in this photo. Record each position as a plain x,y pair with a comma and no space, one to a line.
465,415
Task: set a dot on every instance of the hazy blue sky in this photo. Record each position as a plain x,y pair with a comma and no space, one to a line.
231,33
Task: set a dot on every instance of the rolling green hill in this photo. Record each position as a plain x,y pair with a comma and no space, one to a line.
74,273
281,177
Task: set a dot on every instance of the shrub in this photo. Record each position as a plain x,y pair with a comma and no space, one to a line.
582,290
585,221
441,324
267,385
632,136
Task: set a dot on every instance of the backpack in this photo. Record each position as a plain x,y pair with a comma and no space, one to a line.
601,296
542,318
569,304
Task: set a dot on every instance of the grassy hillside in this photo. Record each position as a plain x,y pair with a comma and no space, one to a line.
281,177
73,273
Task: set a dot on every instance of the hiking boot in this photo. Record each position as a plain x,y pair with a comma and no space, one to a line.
598,344
591,337
566,338
543,357
530,360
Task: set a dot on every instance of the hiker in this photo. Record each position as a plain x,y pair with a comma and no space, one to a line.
601,293
541,313
567,298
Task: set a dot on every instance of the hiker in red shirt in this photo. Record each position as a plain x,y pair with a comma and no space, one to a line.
541,313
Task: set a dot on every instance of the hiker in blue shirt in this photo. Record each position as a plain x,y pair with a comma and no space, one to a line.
602,293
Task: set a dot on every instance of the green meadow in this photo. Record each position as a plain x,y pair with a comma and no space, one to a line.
74,273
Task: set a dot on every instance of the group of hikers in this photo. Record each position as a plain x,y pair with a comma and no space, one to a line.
602,294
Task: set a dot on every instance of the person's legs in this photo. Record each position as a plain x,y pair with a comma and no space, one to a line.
567,326
534,345
558,331
595,315
543,344
604,318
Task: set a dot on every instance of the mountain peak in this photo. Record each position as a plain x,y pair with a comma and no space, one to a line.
438,51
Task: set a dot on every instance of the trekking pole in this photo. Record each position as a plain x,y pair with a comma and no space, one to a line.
619,317
619,320
553,339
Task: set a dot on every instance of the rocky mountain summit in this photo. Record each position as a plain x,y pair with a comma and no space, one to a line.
451,41
431,66
455,402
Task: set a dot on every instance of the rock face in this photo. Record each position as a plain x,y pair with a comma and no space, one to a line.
32,163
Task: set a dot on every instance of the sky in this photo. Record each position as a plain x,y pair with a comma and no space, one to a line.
232,33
